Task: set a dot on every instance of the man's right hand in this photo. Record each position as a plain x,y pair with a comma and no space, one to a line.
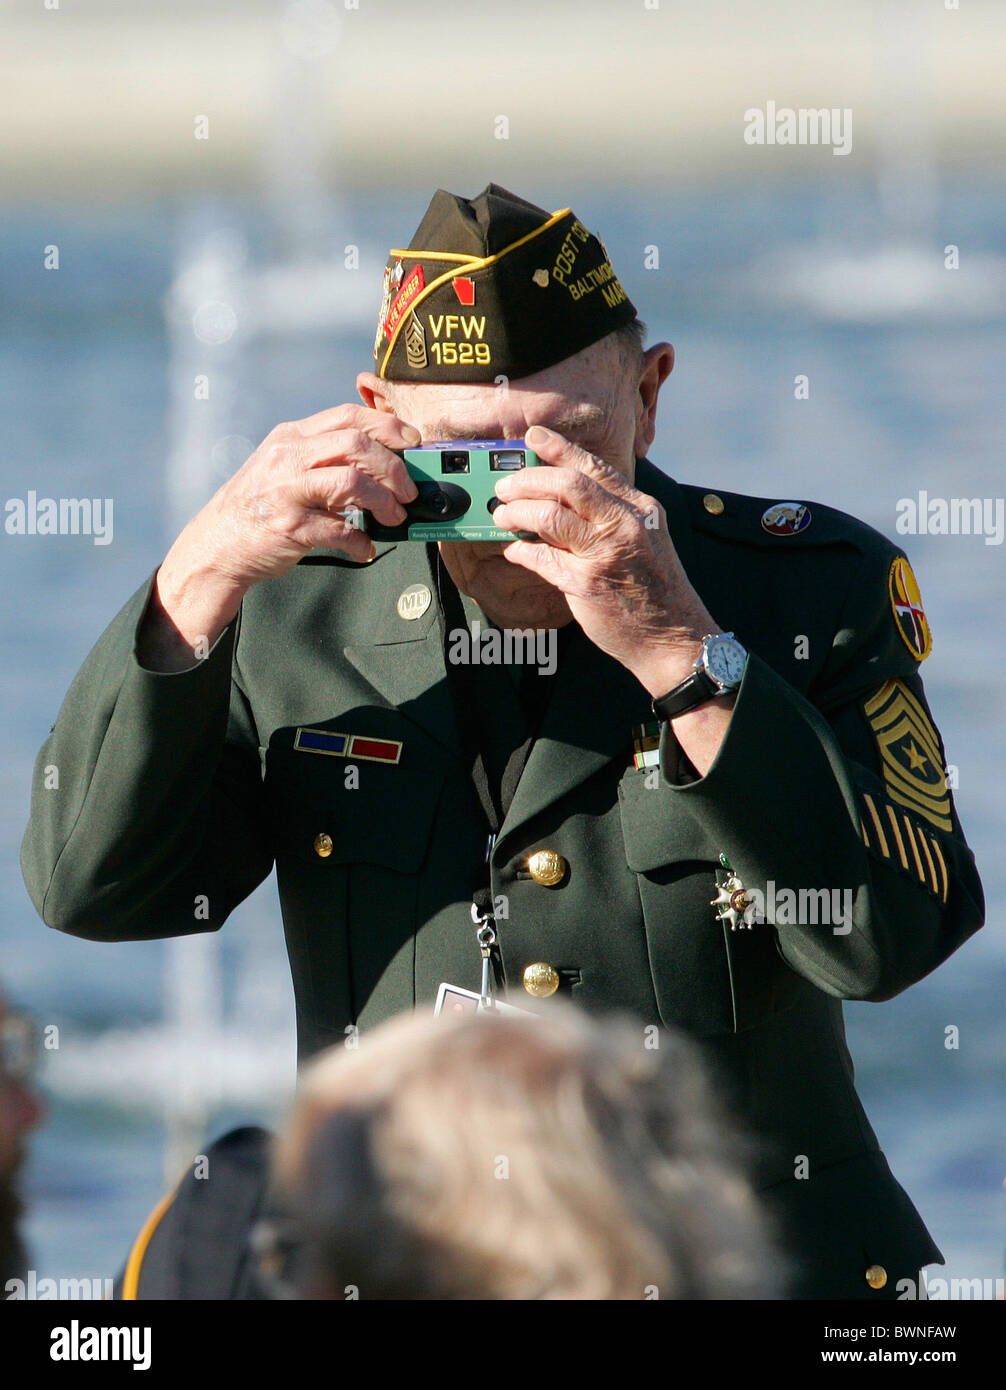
281,503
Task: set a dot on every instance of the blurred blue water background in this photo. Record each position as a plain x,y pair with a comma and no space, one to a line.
755,285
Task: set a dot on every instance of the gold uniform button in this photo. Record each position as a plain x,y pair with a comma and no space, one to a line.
323,845
540,979
713,504
547,867
876,1276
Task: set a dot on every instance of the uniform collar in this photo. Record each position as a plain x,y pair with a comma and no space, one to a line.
654,483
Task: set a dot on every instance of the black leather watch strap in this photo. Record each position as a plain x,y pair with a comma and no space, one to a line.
693,691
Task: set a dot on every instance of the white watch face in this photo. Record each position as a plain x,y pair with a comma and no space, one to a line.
725,660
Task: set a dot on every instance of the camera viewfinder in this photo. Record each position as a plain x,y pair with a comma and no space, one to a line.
455,462
506,460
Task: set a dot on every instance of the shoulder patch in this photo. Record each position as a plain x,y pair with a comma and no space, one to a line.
909,749
906,605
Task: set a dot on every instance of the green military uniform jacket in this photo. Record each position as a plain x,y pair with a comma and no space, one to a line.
177,788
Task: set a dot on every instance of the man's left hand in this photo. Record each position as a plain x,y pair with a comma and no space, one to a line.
606,546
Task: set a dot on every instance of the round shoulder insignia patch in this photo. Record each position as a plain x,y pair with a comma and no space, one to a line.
906,605
786,518
414,601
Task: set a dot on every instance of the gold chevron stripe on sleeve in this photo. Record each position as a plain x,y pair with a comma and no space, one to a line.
878,699
907,743
920,807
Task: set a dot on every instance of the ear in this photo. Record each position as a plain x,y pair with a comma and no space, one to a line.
658,363
373,393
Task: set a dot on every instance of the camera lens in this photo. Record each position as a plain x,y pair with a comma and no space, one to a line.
454,462
506,460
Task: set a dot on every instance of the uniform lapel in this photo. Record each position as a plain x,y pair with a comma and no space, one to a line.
596,700
404,662
588,722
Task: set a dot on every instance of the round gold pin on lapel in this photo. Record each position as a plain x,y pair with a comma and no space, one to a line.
414,601
540,979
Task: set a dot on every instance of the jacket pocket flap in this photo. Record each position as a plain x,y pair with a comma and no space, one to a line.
657,829
350,809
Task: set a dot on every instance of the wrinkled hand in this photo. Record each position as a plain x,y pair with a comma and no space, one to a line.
283,501
286,498
606,546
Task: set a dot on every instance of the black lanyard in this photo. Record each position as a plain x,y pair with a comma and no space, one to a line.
470,687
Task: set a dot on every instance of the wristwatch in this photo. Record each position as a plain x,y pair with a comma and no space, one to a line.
718,671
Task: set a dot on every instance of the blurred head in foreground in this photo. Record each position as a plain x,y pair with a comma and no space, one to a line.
20,1112
517,1157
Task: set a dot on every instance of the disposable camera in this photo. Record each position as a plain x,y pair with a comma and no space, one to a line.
456,480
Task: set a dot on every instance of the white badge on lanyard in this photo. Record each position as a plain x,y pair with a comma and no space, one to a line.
452,999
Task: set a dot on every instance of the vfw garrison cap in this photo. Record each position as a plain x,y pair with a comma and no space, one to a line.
494,286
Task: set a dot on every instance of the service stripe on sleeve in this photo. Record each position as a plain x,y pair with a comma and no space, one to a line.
877,826
915,849
943,867
887,834
897,835
924,841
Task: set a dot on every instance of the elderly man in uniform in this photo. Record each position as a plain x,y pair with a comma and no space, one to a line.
735,736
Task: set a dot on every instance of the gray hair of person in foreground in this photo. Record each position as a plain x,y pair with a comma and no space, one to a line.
519,1157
